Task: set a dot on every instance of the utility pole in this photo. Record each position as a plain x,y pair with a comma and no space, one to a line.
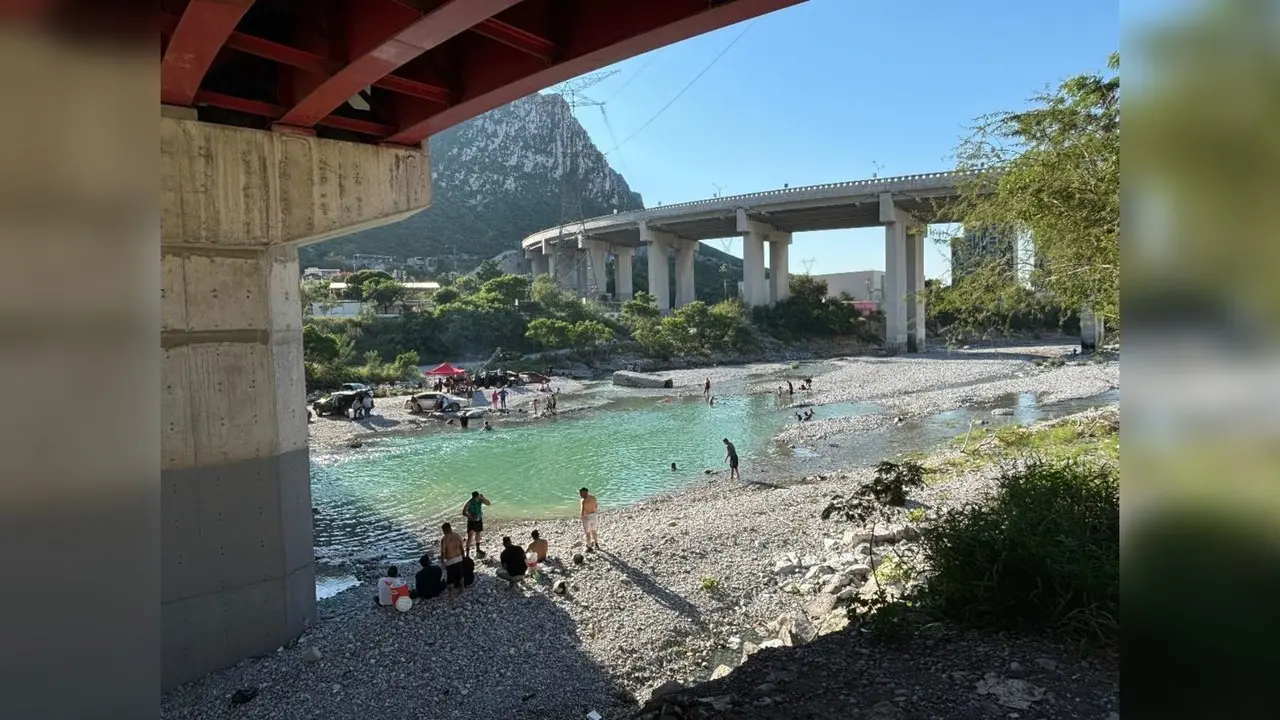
719,189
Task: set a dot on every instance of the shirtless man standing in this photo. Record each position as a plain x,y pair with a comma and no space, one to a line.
451,555
731,454
589,519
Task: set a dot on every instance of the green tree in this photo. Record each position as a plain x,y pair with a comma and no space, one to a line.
385,294
1053,173
507,289
445,295
356,282
641,307
318,346
586,334
315,292
550,333
486,271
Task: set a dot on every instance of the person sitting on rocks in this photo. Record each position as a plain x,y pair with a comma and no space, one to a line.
468,571
512,568
538,547
391,579
429,581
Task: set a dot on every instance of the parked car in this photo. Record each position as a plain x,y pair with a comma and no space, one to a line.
426,402
356,387
336,404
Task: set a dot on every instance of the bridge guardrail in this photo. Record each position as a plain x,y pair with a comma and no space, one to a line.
769,193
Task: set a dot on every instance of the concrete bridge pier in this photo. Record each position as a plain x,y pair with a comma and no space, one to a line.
622,280
779,267
598,252
237,568
539,262
659,244
756,290
903,299
686,291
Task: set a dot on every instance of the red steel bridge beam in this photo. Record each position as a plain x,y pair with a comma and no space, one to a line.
199,35
603,33
311,62
412,34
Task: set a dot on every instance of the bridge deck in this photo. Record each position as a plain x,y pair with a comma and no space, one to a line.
832,206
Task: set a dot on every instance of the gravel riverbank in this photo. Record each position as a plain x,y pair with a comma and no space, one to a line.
684,583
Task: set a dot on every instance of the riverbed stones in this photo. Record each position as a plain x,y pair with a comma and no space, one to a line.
311,655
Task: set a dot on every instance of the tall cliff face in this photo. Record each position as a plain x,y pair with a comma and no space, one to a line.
496,179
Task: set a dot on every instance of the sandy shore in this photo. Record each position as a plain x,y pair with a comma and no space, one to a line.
685,582
390,417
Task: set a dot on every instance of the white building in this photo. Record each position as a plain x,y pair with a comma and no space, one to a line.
315,273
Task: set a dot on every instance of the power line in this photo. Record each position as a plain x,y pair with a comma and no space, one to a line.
695,79
634,75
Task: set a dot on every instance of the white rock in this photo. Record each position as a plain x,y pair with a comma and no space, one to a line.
812,573
774,643
863,550
720,671
857,570
809,560
828,543
846,593
784,636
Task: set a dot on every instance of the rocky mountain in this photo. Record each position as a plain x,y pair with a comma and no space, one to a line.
510,172
501,176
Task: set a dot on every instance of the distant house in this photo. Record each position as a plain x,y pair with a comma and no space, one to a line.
315,273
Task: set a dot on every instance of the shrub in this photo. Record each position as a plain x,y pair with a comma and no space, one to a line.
710,584
1042,553
893,480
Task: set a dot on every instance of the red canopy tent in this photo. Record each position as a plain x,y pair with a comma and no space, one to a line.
445,370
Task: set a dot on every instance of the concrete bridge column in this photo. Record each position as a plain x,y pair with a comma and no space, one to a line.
904,270
686,291
659,278
915,287
598,253
622,281
754,234
779,267
237,568
539,263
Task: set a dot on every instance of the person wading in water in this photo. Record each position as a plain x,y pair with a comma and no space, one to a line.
474,511
590,521
731,454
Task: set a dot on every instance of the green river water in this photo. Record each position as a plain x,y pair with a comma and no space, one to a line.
386,498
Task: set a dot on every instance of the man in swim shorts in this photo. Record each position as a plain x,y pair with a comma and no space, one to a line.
474,512
731,454
589,508
451,554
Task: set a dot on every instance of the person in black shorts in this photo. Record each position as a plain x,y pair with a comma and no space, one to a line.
731,454
474,512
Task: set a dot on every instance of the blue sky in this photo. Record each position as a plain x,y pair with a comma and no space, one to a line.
836,90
